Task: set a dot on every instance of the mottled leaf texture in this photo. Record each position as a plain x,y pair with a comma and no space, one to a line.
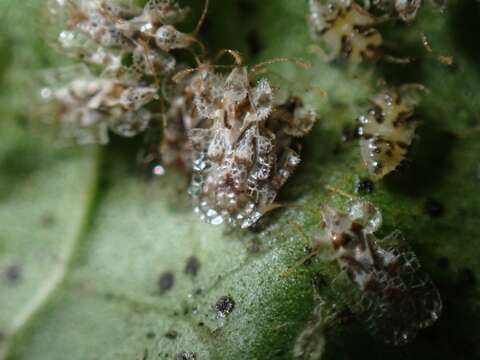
97,262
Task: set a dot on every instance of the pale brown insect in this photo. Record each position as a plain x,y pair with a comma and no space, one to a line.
102,32
246,147
387,131
85,107
345,30
183,116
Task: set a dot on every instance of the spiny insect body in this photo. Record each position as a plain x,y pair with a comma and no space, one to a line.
405,9
345,30
102,32
111,95
248,150
88,107
387,131
397,298
184,115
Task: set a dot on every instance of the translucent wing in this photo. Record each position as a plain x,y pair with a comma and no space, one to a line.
426,295
401,298
398,299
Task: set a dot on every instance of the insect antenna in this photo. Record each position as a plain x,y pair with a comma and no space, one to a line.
391,59
201,21
298,62
443,59
339,192
234,54
179,76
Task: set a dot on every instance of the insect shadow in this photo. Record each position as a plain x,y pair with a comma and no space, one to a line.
426,164
464,30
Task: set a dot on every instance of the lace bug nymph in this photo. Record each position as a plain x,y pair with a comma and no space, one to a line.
406,10
344,30
86,107
386,132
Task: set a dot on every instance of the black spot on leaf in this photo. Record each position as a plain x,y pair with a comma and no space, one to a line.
224,306
166,282
192,267
434,208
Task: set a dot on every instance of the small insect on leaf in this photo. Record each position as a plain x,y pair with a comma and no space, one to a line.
187,114
386,132
85,107
344,31
246,148
393,296
406,10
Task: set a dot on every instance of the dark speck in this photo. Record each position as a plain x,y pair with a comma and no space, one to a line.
186,355
47,220
443,263
13,274
192,266
364,186
197,292
292,104
349,134
307,250
253,43
467,278
318,281
166,282
171,335
150,335
201,324
434,208
254,246
224,306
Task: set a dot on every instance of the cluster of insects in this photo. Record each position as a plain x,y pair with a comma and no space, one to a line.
224,130
106,94
346,30
394,297
237,143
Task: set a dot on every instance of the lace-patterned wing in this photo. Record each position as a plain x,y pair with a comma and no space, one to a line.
58,77
398,298
428,299
401,297
168,11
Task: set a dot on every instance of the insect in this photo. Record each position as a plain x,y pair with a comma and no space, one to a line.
393,296
183,116
345,30
405,9
247,146
85,107
387,131
103,32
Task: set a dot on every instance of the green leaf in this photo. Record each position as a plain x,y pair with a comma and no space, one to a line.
96,262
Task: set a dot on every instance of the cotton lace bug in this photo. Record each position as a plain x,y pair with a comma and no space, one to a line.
393,296
247,146
387,130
